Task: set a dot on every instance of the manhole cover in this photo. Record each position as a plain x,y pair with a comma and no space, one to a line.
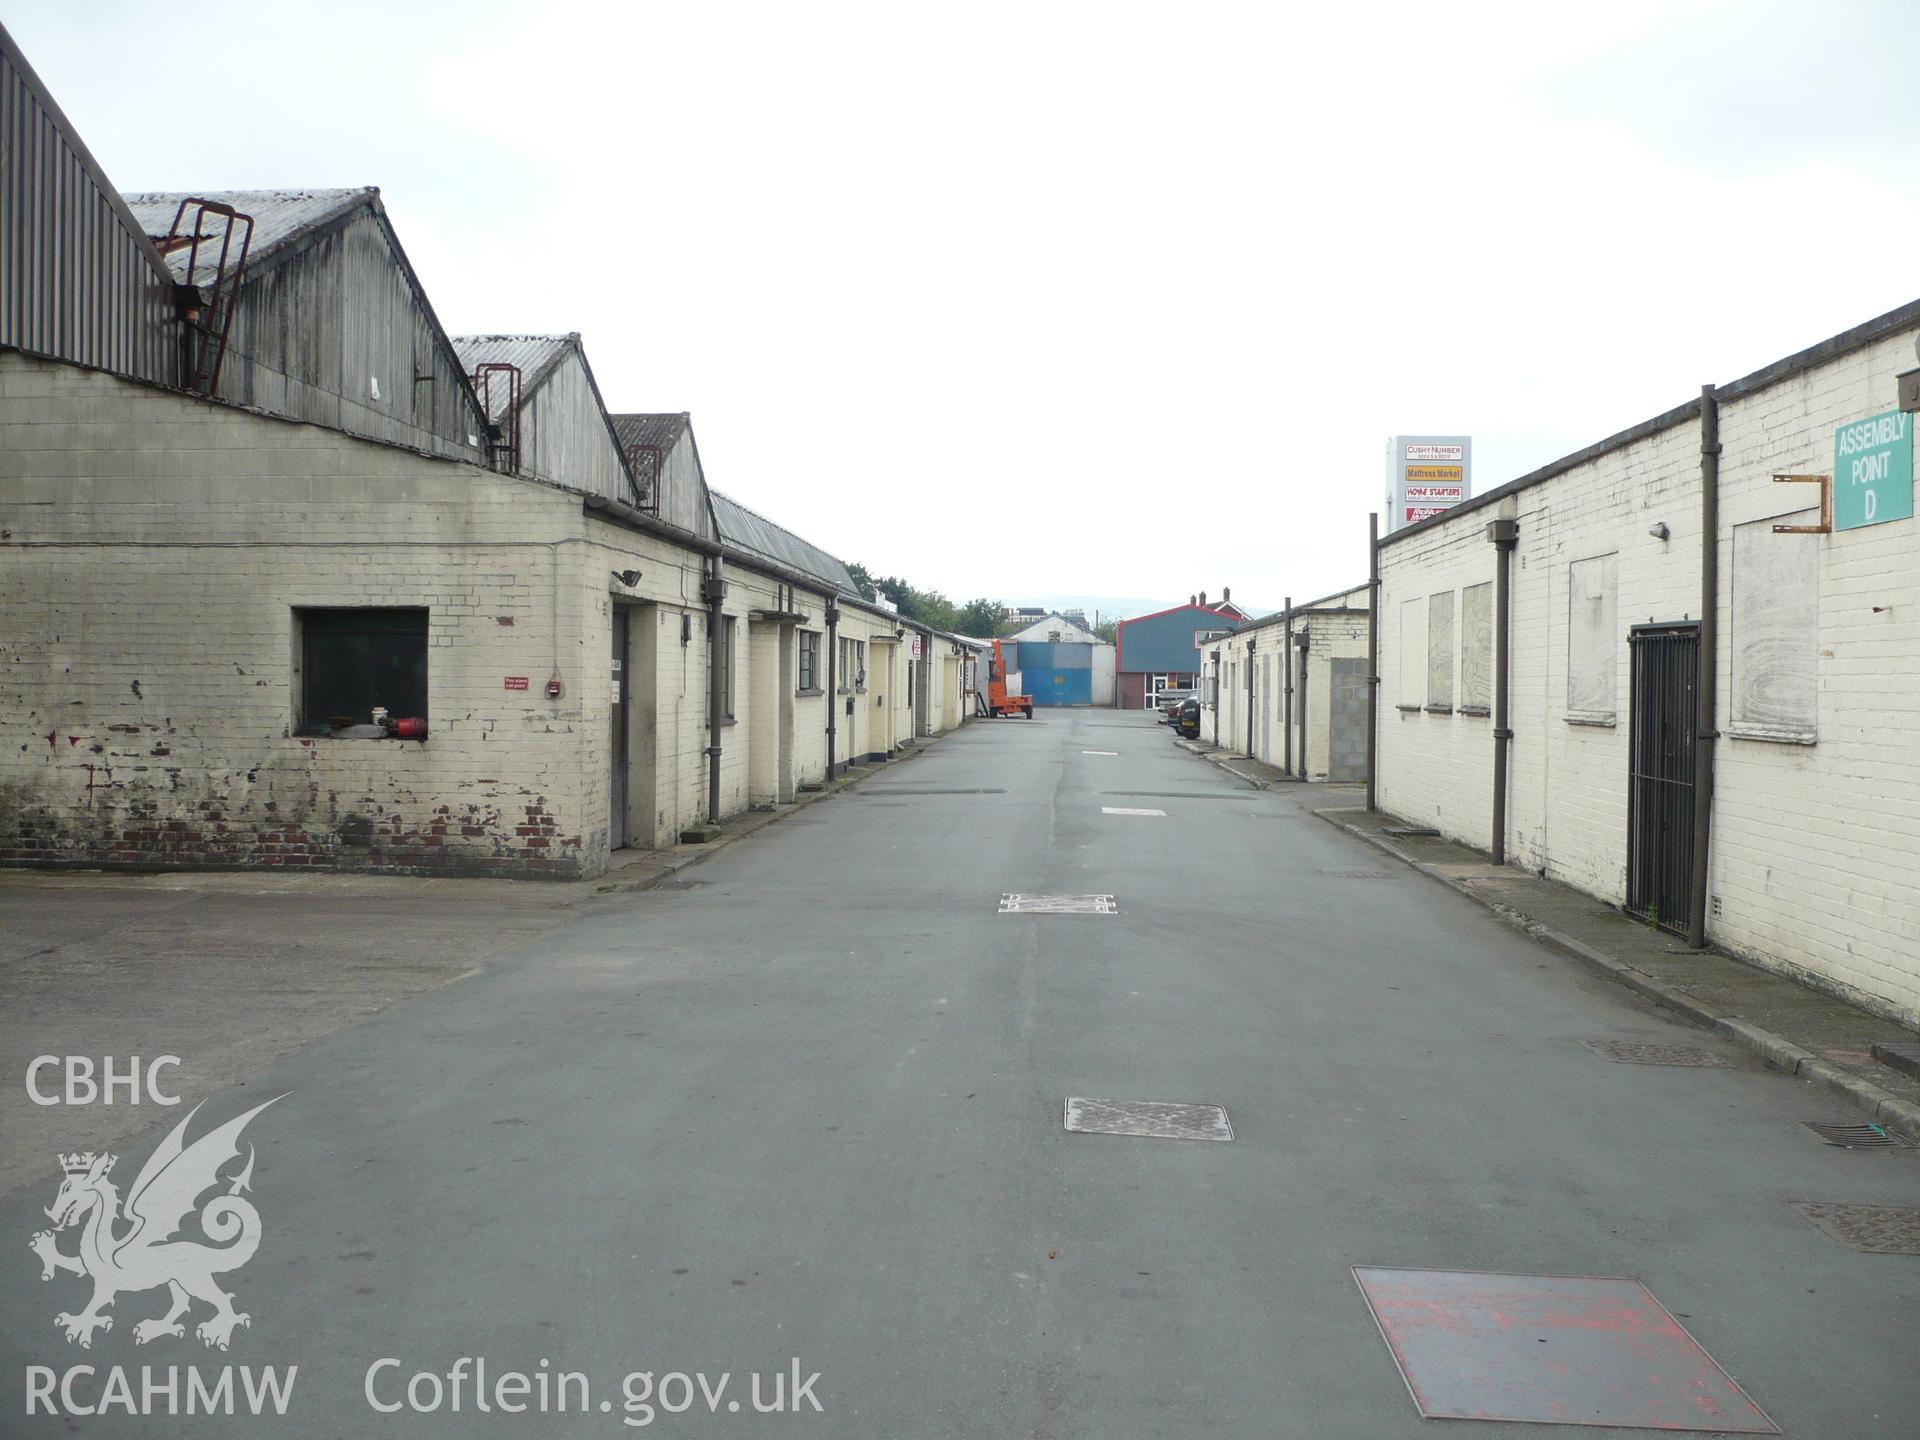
1551,1349
1155,1119
1876,1229
1059,905
1634,1052
1862,1136
1356,874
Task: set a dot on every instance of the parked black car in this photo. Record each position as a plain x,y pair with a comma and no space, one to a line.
1186,719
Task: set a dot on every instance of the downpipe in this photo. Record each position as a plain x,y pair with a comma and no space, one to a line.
833,680
1505,535
1706,732
1373,662
713,590
1251,642
1286,682
1302,644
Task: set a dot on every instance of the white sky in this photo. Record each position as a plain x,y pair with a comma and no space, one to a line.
1094,299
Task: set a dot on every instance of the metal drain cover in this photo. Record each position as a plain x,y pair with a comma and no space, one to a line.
1408,832
1634,1052
1059,905
1861,1136
1551,1349
1875,1229
1155,1119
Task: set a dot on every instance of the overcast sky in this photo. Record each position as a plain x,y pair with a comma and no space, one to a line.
1100,299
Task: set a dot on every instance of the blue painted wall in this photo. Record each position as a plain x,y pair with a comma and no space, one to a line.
1164,643
1059,674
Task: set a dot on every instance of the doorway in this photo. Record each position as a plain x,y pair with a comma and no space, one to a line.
620,736
1347,722
1660,800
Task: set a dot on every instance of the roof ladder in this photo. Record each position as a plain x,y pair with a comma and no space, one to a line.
503,435
648,465
216,267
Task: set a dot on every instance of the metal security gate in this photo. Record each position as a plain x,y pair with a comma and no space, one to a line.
1660,800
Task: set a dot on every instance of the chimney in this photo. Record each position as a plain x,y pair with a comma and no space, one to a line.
1203,600
1226,594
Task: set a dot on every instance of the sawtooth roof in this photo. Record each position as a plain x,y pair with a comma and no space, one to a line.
282,219
536,355
752,532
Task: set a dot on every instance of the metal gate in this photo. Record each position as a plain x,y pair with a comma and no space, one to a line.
1660,801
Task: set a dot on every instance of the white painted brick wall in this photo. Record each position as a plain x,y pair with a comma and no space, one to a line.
1815,848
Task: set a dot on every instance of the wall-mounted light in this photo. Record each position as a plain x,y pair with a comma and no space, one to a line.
628,578
1658,530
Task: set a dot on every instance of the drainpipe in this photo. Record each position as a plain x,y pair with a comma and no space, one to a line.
833,681
714,592
1251,642
1373,660
1286,678
1706,734
1505,534
1300,643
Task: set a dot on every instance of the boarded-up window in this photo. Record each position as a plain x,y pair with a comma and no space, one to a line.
1776,630
1413,653
1592,646
1476,647
1440,651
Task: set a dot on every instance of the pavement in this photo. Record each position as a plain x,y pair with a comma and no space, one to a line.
802,1106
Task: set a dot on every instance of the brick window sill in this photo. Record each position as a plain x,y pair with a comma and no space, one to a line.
1439,709
1481,711
1594,722
1408,709
808,694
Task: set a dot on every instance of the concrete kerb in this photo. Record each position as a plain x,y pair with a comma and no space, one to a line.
664,867
1884,1109
1223,759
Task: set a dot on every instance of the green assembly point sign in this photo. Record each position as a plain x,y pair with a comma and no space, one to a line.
1873,471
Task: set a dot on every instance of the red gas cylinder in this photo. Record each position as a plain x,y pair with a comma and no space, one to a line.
414,727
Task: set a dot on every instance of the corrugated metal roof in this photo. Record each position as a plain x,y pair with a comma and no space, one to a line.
534,354
280,217
747,530
662,430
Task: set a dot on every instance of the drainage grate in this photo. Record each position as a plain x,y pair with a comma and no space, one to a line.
1356,874
1875,1229
1862,1136
1059,905
1633,1052
1155,1119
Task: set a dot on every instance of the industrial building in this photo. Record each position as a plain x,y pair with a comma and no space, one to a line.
1161,651
1676,669
293,578
1061,662
1291,689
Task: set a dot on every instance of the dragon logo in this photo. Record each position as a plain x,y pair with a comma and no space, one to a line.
138,1249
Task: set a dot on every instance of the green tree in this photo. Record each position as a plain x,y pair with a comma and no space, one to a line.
978,618
862,581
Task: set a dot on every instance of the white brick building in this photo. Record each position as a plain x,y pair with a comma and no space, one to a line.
1290,688
216,576
1814,841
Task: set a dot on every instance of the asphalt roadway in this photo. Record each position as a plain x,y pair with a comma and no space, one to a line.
806,1106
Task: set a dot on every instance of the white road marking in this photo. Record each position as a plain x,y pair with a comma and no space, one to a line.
1125,810
1099,752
